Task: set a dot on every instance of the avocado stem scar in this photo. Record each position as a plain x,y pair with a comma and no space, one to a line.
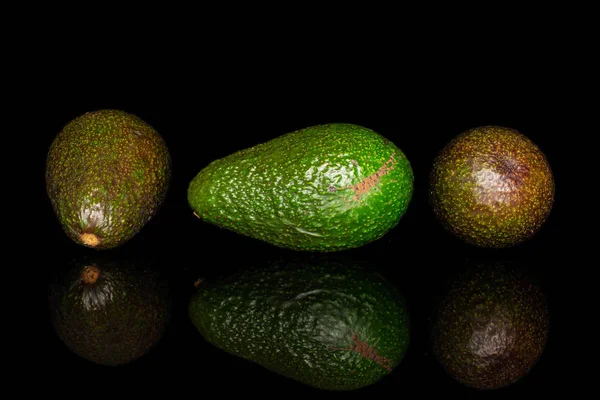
89,239
197,216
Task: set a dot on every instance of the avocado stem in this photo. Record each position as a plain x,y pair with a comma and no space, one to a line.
89,239
90,274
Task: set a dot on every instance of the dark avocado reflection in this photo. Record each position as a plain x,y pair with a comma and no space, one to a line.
491,327
326,322
109,310
491,187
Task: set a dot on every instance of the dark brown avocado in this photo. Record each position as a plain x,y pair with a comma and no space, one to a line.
492,187
107,175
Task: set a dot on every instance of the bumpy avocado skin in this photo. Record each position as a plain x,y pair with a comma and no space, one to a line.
491,187
114,320
323,188
327,325
107,174
491,327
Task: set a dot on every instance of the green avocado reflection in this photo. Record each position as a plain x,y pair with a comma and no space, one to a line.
326,322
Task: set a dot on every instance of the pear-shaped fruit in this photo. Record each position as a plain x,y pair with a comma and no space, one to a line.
323,188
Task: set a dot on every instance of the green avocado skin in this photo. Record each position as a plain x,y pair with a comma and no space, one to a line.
326,325
491,186
115,320
323,188
491,327
107,174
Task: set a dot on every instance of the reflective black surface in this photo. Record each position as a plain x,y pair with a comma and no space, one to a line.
202,122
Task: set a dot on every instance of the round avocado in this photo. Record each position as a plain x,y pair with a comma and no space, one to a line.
491,187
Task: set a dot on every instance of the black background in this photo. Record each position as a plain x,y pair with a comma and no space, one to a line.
207,113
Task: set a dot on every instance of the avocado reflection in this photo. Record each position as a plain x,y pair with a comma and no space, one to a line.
326,322
109,310
491,327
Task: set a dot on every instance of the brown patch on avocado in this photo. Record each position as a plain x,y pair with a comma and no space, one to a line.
366,351
370,182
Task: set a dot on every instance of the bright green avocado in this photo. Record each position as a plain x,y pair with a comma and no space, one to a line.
328,325
107,175
323,188
491,186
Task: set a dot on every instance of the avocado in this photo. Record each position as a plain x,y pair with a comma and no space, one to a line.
491,326
109,311
491,187
107,175
323,188
327,324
